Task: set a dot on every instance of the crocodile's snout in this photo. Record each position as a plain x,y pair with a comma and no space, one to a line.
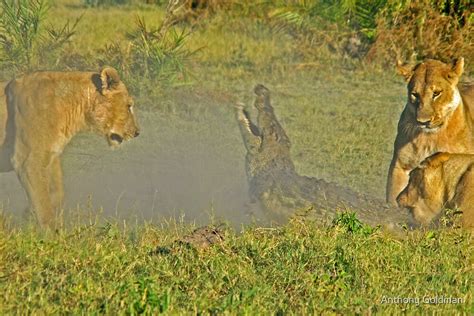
261,90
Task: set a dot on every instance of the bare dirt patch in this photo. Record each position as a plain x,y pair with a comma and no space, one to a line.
188,164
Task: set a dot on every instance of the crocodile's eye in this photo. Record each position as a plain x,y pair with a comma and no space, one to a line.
436,94
414,97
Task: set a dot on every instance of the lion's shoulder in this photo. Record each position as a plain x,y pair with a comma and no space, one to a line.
47,80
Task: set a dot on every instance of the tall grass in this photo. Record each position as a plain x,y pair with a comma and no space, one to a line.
424,29
380,30
153,56
26,43
96,3
297,269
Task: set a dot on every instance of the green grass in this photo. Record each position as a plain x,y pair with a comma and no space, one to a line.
103,25
341,117
295,269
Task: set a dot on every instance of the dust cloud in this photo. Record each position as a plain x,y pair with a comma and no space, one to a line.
182,169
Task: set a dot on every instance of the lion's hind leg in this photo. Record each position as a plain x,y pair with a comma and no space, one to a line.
56,188
35,179
5,160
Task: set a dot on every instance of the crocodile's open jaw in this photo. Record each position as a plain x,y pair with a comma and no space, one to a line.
252,128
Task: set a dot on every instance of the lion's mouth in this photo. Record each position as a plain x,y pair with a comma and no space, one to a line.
115,139
430,128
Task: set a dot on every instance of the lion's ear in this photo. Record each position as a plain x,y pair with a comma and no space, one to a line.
405,70
457,69
109,78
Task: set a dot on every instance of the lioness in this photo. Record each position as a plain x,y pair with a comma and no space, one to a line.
438,117
442,180
41,112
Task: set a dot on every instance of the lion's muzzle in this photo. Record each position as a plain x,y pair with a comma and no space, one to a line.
402,199
429,126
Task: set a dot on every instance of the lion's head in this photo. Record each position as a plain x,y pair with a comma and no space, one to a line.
432,92
425,195
112,114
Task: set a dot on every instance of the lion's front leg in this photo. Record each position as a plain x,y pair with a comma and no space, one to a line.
34,176
398,178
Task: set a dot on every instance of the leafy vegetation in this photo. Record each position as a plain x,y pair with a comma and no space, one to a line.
376,32
25,43
295,269
349,222
153,56
424,29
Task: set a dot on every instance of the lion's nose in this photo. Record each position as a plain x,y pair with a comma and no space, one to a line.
402,199
425,123
137,132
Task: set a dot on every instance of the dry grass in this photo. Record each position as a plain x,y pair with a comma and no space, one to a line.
419,31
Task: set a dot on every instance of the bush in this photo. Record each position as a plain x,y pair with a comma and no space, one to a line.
25,44
349,222
345,26
423,29
156,56
383,29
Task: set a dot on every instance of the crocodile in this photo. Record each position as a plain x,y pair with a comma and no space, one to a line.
281,193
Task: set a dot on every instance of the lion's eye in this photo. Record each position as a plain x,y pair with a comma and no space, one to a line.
436,94
130,108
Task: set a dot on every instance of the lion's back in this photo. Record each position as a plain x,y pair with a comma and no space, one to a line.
44,100
45,87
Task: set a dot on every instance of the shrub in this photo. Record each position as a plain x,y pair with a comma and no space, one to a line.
25,44
423,29
156,55
345,26
349,222
382,29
